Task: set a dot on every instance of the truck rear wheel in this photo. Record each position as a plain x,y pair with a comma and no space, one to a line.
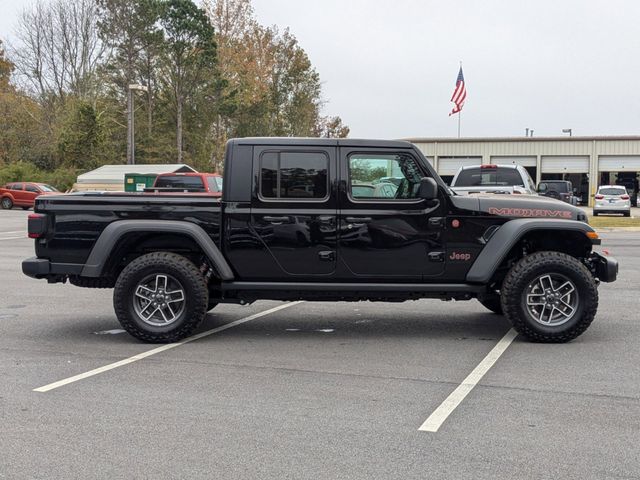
160,297
549,297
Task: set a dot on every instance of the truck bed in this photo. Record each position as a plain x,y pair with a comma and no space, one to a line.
78,219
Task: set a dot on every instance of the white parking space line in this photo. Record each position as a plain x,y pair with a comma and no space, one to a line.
14,238
163,348
446,408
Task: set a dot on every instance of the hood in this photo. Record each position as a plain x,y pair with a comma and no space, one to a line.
519,206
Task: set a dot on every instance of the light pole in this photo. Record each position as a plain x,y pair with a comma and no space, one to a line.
131,152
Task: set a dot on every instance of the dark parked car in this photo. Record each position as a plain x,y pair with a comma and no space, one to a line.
558,189
294,224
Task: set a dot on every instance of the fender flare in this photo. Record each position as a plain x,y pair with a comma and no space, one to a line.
508,235
115,231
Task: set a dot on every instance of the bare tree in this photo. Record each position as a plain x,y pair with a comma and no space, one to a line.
58,49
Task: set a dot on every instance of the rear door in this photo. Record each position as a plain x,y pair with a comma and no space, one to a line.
293,211
18,194
388,232
30,193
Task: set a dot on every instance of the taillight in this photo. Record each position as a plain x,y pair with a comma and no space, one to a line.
488,166
625,197
599,197
36,225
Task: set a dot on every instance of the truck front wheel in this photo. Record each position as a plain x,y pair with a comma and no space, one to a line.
160,297
549,297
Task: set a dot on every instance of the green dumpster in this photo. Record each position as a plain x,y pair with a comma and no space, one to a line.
137,182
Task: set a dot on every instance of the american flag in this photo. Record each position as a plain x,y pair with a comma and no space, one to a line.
459,94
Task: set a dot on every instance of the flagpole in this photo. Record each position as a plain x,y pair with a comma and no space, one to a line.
460,112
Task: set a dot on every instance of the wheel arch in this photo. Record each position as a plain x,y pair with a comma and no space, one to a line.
508,242
121,236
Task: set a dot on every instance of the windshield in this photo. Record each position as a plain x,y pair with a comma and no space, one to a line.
215,184
179,181
484,177
48,188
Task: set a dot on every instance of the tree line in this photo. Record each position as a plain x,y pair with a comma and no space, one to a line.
211,72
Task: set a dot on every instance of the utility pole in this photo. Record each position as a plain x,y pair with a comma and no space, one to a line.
131,148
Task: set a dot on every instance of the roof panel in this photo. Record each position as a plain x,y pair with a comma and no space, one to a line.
116,173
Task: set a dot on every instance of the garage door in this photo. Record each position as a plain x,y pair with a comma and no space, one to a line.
524,161
451,165
619,163
565,164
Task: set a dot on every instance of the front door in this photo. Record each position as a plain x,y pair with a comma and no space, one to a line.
293,212
386,232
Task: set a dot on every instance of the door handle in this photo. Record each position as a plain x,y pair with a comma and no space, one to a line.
275,219
358,219
327,256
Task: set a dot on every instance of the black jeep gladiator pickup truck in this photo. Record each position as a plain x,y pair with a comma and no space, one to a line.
318,219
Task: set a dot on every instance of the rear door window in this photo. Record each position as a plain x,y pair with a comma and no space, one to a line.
32,189
299,175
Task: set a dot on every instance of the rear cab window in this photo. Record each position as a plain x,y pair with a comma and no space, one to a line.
180,181
485,177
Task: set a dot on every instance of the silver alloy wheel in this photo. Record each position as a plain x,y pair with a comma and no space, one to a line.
6,203
159,300
552,299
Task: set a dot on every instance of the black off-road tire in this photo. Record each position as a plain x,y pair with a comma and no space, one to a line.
211,305
491,301
194,285
513,296
627,214
595,214
7,203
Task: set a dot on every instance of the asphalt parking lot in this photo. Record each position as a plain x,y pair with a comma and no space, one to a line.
313,390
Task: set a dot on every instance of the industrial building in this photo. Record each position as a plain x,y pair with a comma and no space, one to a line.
586,161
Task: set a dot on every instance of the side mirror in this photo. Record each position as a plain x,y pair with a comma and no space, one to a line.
428,188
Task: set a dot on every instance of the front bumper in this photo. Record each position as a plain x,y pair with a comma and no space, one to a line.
605,268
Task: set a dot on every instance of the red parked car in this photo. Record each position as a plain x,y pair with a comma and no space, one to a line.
202,183
23,194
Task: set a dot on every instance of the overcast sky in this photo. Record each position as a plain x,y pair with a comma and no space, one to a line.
389,67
